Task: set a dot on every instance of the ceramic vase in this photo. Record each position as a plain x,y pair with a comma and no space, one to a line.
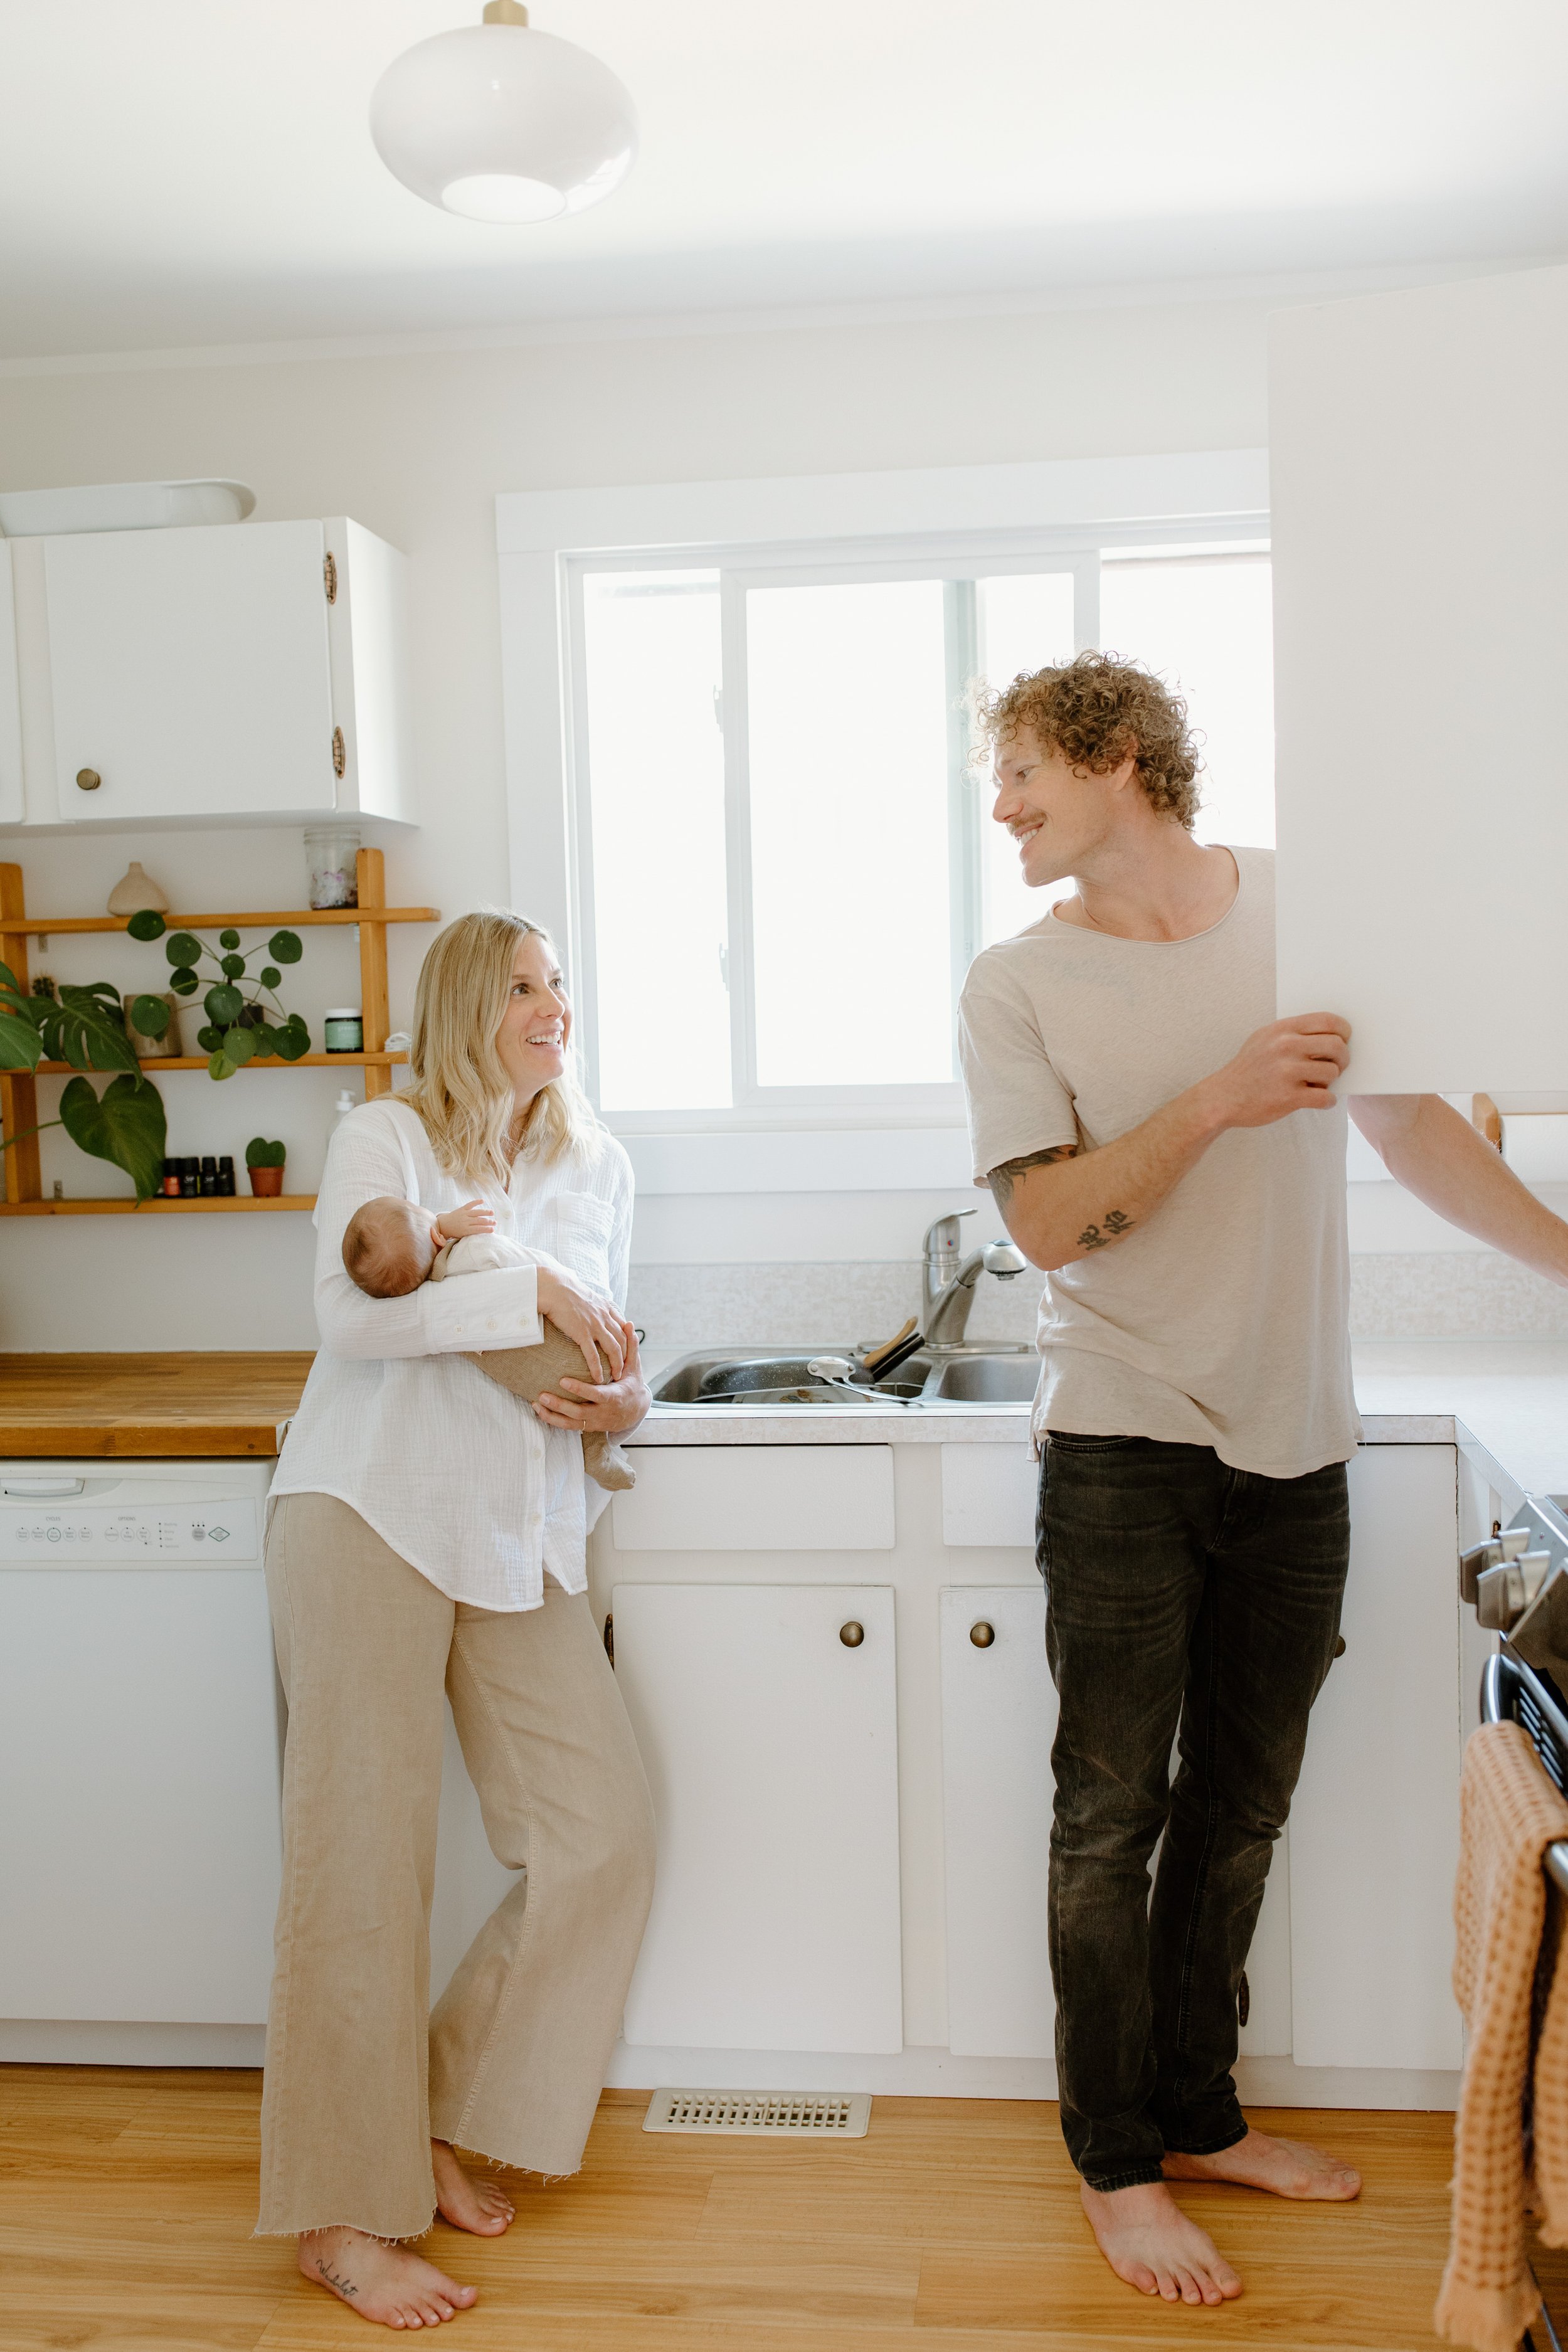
136,890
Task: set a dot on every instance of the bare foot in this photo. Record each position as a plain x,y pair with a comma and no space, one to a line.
1287,2166
481,2206
391,2283
1149,2241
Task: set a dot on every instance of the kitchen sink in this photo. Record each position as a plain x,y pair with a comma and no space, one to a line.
1004,1376
983,1380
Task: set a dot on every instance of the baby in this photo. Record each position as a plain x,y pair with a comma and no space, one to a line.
392,1246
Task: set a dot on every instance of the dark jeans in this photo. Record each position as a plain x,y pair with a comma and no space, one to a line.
1181,1595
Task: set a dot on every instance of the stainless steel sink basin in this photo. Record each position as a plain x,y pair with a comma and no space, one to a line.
1003,1377
984,1380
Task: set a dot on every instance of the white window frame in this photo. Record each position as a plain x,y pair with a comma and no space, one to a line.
942,522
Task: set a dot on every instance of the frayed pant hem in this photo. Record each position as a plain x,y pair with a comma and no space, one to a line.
382,2236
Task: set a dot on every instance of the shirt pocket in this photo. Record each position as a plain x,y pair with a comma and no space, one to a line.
581,1228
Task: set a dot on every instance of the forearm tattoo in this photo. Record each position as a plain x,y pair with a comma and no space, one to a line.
1111,1226
1002,1179
1110,1229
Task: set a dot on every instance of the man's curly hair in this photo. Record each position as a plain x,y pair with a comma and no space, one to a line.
1094,710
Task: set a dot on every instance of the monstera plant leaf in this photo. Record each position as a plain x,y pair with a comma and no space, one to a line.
125,1126
87,1029
21,1044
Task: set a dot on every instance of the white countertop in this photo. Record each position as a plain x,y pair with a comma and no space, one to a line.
1506,1401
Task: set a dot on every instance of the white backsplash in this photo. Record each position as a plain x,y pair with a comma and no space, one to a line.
1397,1294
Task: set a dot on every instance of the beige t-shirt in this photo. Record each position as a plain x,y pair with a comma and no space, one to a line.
1223,1319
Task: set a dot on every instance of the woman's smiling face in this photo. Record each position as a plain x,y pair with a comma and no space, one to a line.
537,1023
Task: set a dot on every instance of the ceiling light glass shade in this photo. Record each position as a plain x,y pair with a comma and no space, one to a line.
499,123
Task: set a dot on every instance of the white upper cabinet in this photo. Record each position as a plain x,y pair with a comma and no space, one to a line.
252,670
1420,530
12,798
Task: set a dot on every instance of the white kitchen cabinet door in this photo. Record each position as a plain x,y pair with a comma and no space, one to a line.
771,1750
12,806
998,1719
1420,538
1374,1828
225,671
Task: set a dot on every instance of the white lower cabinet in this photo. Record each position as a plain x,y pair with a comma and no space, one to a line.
998,1719
1374,1829
771,1745
784,1766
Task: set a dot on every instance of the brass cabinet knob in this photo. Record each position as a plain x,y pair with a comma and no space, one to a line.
983,1635
87,780
852,1634
1340,1645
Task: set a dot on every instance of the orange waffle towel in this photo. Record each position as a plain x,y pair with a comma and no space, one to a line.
1509,1813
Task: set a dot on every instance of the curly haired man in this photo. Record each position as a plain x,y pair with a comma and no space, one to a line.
1174,1158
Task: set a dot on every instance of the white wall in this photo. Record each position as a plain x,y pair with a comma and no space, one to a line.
416,446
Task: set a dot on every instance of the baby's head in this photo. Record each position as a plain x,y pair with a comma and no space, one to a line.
389,1247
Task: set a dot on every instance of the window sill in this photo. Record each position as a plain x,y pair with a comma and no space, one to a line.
845,1160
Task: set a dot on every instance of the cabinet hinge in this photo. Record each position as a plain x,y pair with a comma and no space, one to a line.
330,576
340,754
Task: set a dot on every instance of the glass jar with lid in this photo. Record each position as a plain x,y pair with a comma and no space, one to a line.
332,855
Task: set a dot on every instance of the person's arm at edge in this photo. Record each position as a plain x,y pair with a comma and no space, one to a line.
1435,1152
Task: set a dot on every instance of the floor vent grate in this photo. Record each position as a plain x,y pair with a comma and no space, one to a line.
807,2115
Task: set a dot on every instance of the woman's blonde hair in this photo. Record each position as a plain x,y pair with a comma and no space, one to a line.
460,1089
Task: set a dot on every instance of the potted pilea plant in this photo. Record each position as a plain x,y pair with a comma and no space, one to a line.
239,1026
264,1162
86,1027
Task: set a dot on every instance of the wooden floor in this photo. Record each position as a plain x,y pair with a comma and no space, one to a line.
127,2198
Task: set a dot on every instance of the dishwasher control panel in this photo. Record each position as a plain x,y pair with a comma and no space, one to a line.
41,1532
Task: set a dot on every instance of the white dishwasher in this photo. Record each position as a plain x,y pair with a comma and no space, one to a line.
139,1749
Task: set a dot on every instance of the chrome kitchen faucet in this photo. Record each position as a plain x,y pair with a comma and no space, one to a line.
948,1291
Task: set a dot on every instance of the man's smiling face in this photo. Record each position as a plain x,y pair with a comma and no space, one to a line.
1056,814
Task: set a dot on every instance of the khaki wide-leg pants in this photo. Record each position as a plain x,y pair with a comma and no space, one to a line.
359,2076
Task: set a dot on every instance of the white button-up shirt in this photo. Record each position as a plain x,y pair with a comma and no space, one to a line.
450,1469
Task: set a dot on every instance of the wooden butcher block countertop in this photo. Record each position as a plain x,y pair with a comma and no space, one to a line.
177,1404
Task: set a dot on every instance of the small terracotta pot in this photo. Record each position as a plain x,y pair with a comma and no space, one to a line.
266,1183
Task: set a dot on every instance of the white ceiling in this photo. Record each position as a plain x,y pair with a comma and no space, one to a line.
199,172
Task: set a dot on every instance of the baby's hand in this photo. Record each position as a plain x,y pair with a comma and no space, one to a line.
461,1224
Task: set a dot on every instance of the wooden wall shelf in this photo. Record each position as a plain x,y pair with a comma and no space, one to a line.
45,925
23,1179
246,1202
156,1062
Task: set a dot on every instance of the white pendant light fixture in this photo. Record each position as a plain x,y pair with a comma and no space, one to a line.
499,123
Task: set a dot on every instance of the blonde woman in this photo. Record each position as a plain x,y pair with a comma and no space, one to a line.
427,1541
